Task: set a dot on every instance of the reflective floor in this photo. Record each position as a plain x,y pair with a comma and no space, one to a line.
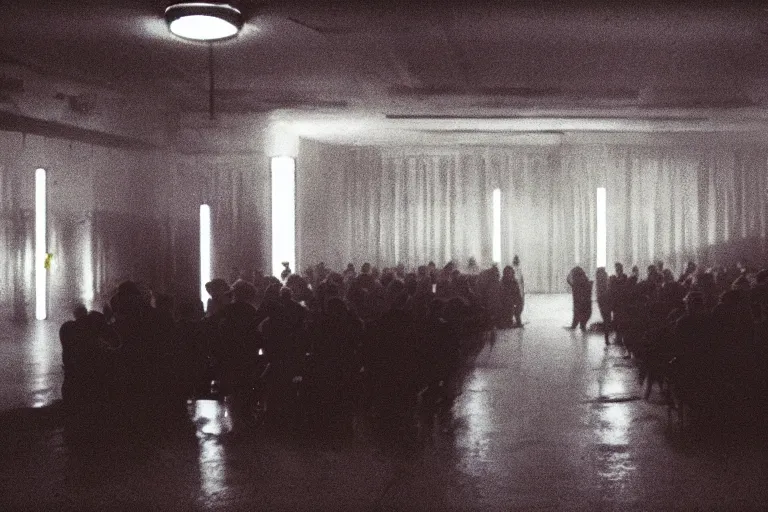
549,419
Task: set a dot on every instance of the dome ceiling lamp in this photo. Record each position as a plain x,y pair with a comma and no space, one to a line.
207,22
203,21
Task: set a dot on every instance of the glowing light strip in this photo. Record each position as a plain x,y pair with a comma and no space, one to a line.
41,250
497,225
283,213
602,246
205,250
88,291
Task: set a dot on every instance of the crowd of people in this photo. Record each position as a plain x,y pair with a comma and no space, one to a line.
389,345
326,347
702,336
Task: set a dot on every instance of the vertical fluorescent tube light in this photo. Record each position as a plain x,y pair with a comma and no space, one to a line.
602,246
41,251
205,250
497,225
283,213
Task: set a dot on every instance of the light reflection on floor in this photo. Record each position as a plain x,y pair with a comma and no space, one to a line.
613,436
212,417
213,468
479,423
43,352
535,429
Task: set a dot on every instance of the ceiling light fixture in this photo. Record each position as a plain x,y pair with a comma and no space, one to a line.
203,21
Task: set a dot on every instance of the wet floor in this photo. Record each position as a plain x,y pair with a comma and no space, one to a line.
550,419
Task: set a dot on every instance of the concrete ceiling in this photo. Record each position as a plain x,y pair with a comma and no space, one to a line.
496,66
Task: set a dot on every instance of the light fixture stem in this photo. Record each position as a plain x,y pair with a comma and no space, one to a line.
210,80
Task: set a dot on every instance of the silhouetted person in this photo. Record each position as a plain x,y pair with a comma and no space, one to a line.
511,299
603,300
581,290
78,360
239,343
692,337
688,273
619,287
221,295
286,271
520,279
472,267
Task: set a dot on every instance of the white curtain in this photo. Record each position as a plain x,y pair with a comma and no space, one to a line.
412,205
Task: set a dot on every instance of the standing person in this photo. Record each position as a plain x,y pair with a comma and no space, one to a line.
619,287
521,282
687,276
581,288
510,298
286,271
603,300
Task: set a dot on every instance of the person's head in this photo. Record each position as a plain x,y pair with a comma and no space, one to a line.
601,274
128,300
79,311
96,319
272,292
270,280
128,288
619,268
515,260
635,271
243,291
668,276
508,272
411,283
386,277
652,271
691,267
454,309
366,268
218,289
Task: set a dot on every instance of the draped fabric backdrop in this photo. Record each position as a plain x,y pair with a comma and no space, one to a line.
100,220
116,213
237,188
412,205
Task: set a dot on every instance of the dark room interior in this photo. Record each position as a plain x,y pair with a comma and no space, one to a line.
137,164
